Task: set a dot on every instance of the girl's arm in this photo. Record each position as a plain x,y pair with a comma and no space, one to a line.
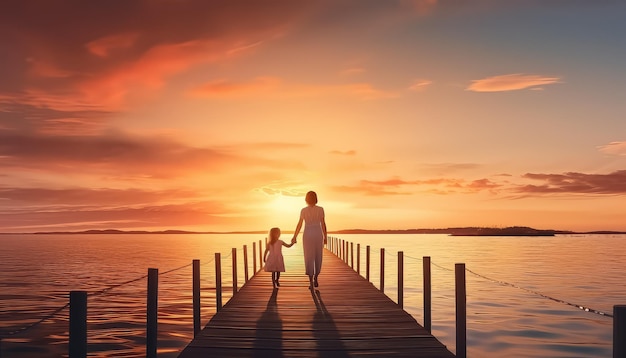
288,245
267,249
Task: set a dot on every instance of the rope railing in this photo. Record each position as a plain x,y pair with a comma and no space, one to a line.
100,292
543,295
344,250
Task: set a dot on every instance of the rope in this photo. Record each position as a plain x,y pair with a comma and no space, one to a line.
504,283
32,325
90,294
584,308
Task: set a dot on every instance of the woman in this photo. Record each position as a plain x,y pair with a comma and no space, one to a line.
313,237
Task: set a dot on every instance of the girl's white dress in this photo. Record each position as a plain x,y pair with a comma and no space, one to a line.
275,261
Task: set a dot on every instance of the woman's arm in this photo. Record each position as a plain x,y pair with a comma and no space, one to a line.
324,231
267,249
295,233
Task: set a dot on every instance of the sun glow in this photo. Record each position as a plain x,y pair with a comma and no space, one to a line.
284,204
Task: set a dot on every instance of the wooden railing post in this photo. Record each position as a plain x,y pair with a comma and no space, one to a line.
352,255
382,270
341,250
619,331
152,311
234,255
78,324
358,258
401,279
218,281
196,297
427,294
260,255
461,311
245,263
346,252
367,263
254,271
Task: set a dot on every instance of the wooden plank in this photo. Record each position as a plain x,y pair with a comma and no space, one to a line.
346,316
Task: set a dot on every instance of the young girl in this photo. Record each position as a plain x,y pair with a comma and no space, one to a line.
275,263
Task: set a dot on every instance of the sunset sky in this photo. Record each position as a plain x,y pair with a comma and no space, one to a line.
221,115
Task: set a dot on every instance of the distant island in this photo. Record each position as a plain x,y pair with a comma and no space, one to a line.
457,231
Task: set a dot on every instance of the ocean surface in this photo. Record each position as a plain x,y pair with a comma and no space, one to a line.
522,292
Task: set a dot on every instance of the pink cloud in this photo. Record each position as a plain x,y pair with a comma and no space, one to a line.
511,82
614,148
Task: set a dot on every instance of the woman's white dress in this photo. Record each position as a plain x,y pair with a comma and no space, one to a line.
275,261
313,238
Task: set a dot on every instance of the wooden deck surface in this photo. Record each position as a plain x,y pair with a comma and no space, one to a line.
345,316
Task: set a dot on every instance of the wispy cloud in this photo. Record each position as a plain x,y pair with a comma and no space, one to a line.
117,154
511,82
398,186
614,148
346,152
352,71
272,87
575,183
420,85
104,46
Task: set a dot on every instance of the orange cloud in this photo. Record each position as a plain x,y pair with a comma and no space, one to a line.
224,87
103,46
276,88
436,186
614,148
511,82
122,156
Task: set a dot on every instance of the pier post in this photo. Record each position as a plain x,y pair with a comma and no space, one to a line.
196,297
352,255
382,270
254,271
619,331
245,263
367,263
218,281
78,324
260,255
461,310
152,309
401,279
358,258
427,294
346,252
234,255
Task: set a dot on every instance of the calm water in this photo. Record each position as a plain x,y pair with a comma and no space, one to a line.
38,271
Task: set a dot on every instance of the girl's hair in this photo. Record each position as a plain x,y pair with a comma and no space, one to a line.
311,198
274,234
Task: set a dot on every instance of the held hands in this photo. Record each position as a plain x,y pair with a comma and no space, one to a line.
293,240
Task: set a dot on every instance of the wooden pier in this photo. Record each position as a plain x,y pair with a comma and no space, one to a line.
346,316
